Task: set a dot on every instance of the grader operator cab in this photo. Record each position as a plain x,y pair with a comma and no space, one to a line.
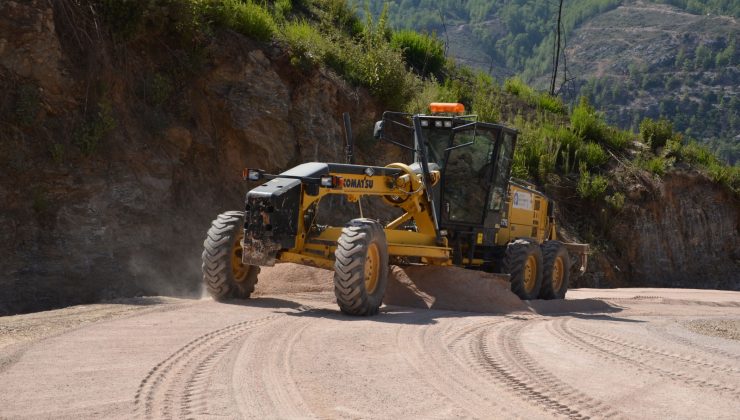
459,207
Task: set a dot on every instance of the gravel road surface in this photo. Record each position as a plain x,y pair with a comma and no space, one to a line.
289,353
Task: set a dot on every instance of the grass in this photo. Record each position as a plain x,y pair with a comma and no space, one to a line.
244,16
306,43
540,100
424,53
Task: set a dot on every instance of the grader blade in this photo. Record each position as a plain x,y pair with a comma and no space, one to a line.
451,288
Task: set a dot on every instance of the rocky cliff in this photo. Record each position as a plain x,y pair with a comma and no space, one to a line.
113,164
683,232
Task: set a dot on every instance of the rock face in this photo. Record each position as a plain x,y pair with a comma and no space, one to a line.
111,168
684,234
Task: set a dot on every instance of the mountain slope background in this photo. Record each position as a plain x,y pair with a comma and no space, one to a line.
673,59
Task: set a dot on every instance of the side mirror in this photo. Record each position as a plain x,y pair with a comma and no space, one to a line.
378,131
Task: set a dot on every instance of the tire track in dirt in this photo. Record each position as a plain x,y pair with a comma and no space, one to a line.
155,397
663,333
606,351
178,387
266,359
502,355
688,360
428,353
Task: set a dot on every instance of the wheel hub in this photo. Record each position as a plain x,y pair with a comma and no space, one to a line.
238,269
530,273
557,273
372,263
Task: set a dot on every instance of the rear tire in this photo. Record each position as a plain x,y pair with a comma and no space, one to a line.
523,262
361,267
556,270
224,275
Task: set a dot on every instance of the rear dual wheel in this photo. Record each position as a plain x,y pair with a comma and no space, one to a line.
556,272
537,271
523,263
361,267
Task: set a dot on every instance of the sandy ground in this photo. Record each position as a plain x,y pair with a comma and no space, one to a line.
289,353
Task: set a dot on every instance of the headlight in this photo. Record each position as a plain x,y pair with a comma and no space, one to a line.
252,174
329,181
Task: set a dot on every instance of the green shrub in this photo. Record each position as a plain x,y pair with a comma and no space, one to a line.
486,97
306,41
383,72
519,165
674,147
570,144
550,103
656,133
428,91
376,65
283,8
591,187
695,153
656,165
615,201
245,17
548,159
541,100
723,174
587,122
617,139
335,15
592,155
460,82
517,87
538,151
424,53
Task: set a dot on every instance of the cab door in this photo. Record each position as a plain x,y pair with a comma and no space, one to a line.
467,175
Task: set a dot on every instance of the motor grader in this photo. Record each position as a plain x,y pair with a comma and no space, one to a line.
457,204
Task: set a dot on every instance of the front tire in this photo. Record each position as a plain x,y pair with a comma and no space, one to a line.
361,267
523,262
556,271
224,274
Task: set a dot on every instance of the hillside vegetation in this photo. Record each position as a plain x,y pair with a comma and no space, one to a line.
574,153
675,59
563,151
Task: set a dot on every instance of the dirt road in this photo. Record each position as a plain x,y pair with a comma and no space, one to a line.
624,353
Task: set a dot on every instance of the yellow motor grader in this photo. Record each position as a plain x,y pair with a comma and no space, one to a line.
457,204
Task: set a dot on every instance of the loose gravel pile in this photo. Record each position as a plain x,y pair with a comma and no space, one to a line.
723,328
